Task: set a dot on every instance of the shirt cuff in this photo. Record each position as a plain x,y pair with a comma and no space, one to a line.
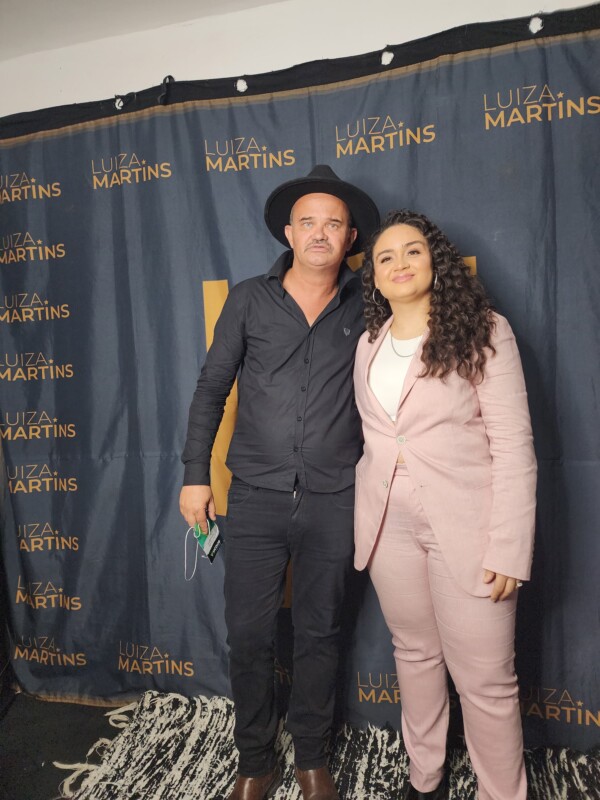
196,475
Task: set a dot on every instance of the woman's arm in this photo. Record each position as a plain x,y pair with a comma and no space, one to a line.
503,402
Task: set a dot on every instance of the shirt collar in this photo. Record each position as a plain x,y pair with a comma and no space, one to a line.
284,262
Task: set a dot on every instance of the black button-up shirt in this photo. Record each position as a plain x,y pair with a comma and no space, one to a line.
297,419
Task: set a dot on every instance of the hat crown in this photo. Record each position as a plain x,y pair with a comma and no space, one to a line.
323,172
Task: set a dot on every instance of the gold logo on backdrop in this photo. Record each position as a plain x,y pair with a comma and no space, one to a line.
524,105
21,247
32,367
381,687
40,537
35,478
544,703
145,659
25,307
44,651
471,262
44,594
556,704
30,425
379,134
18,186
243,152
127,169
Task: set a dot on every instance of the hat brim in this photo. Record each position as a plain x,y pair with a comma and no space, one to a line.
365,216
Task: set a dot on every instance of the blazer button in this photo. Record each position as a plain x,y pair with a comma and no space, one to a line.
385,484
401,439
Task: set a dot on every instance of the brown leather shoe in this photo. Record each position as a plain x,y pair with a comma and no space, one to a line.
317,784
256,788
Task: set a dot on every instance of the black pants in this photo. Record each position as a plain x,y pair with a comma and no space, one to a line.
265,529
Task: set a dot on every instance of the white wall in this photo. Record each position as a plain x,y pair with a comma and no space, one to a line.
248,42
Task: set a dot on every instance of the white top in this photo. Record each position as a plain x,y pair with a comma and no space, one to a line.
388,371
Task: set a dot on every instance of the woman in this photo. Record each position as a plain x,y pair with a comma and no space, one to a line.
445,499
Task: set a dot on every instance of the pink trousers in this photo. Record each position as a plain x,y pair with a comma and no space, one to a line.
437,625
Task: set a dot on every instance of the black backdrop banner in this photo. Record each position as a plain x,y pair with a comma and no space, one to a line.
120,235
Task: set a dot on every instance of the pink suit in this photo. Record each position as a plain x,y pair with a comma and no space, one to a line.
465,502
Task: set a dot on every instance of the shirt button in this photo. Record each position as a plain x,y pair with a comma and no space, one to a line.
299,419
385,484
306,360
303,388
401,439
295,449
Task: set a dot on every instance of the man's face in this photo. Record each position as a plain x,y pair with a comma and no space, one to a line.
319,232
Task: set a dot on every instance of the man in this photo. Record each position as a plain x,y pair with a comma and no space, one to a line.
291,335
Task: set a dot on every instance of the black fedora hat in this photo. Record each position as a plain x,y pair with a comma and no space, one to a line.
323,180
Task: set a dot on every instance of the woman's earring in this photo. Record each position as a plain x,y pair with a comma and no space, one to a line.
380,304
435,282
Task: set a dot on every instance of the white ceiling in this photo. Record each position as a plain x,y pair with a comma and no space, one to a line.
28,26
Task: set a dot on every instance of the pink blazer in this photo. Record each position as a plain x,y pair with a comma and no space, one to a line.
469,452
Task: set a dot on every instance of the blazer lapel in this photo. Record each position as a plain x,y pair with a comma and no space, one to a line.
414,370
374,402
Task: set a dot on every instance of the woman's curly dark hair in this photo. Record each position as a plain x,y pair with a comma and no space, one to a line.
461,318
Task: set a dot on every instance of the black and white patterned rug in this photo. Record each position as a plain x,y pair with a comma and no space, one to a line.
176,748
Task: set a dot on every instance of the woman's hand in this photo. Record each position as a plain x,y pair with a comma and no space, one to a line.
503,585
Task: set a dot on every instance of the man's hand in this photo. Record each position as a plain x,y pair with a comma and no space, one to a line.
194,503
503,585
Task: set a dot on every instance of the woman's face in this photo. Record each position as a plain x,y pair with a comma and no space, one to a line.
402,265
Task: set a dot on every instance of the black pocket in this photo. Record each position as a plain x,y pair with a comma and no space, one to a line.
238,492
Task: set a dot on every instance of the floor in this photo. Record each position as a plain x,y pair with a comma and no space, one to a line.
34,733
